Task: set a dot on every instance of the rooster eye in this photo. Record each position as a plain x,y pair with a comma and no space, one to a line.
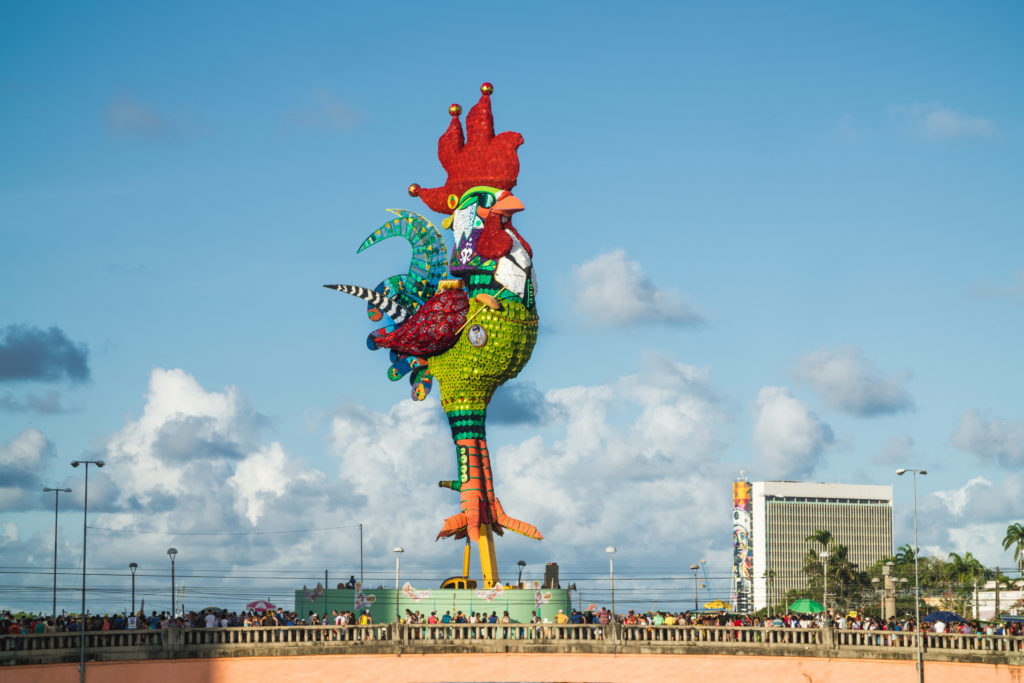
483,196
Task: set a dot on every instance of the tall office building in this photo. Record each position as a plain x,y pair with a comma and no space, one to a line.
772,519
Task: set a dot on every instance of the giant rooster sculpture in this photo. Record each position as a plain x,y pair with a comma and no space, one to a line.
473,327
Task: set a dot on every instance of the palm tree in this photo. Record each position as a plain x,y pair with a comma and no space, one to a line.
1015,537
962,573
905,555
842,574
820,536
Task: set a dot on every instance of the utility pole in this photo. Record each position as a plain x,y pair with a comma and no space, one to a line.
694,567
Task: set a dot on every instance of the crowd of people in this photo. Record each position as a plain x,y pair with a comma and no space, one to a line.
154,621
279,617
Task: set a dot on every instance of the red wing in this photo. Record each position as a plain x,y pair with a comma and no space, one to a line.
433,328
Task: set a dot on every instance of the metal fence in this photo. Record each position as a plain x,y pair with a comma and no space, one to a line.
183,642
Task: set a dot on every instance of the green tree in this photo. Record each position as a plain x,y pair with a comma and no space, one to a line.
962,572
905,556
845,582
1015,537
822,537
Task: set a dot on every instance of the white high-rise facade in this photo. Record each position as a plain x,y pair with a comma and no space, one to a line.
785,513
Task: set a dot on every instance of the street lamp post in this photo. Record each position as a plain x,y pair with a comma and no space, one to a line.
694,567
171,552
611,571
917,581
521,563
85,517
56,500
398,550
133,566
824,586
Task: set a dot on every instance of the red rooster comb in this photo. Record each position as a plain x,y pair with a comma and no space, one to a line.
479,158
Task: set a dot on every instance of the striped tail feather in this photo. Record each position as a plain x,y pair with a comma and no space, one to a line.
387,305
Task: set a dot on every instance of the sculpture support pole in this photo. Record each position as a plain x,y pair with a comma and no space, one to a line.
488,559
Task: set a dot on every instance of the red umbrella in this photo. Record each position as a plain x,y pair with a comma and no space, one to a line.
260,606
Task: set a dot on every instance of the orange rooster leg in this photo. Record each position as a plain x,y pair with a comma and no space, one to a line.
479,504
472,493
501,520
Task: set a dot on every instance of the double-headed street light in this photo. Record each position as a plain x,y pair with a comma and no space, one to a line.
133,566
917,584
85,517
611,571
171,552
56,500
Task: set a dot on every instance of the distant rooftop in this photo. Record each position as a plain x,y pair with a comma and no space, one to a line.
806,489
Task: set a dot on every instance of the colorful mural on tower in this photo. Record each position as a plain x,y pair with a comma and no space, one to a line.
742,550
470,322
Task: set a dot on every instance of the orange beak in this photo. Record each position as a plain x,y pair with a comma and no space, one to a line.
506,206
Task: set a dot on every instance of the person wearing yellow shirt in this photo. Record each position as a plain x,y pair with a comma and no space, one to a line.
561,618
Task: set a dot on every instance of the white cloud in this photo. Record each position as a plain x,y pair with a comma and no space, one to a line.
182,424
635,458
853,384
635,464
194,463
22,461
935,122
266,475
991,438
788,438
612,290
25,453
971,518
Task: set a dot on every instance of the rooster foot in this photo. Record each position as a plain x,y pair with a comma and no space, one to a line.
512,524
477,511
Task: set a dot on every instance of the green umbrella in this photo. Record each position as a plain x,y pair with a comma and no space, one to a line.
805,605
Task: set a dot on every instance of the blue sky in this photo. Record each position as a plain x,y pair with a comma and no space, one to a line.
780,238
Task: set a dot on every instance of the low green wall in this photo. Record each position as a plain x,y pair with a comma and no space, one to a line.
519,603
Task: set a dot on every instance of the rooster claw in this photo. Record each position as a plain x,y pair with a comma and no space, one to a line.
511,523
454,526
458,526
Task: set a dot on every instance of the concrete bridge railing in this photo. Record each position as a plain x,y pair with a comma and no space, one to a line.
176,643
